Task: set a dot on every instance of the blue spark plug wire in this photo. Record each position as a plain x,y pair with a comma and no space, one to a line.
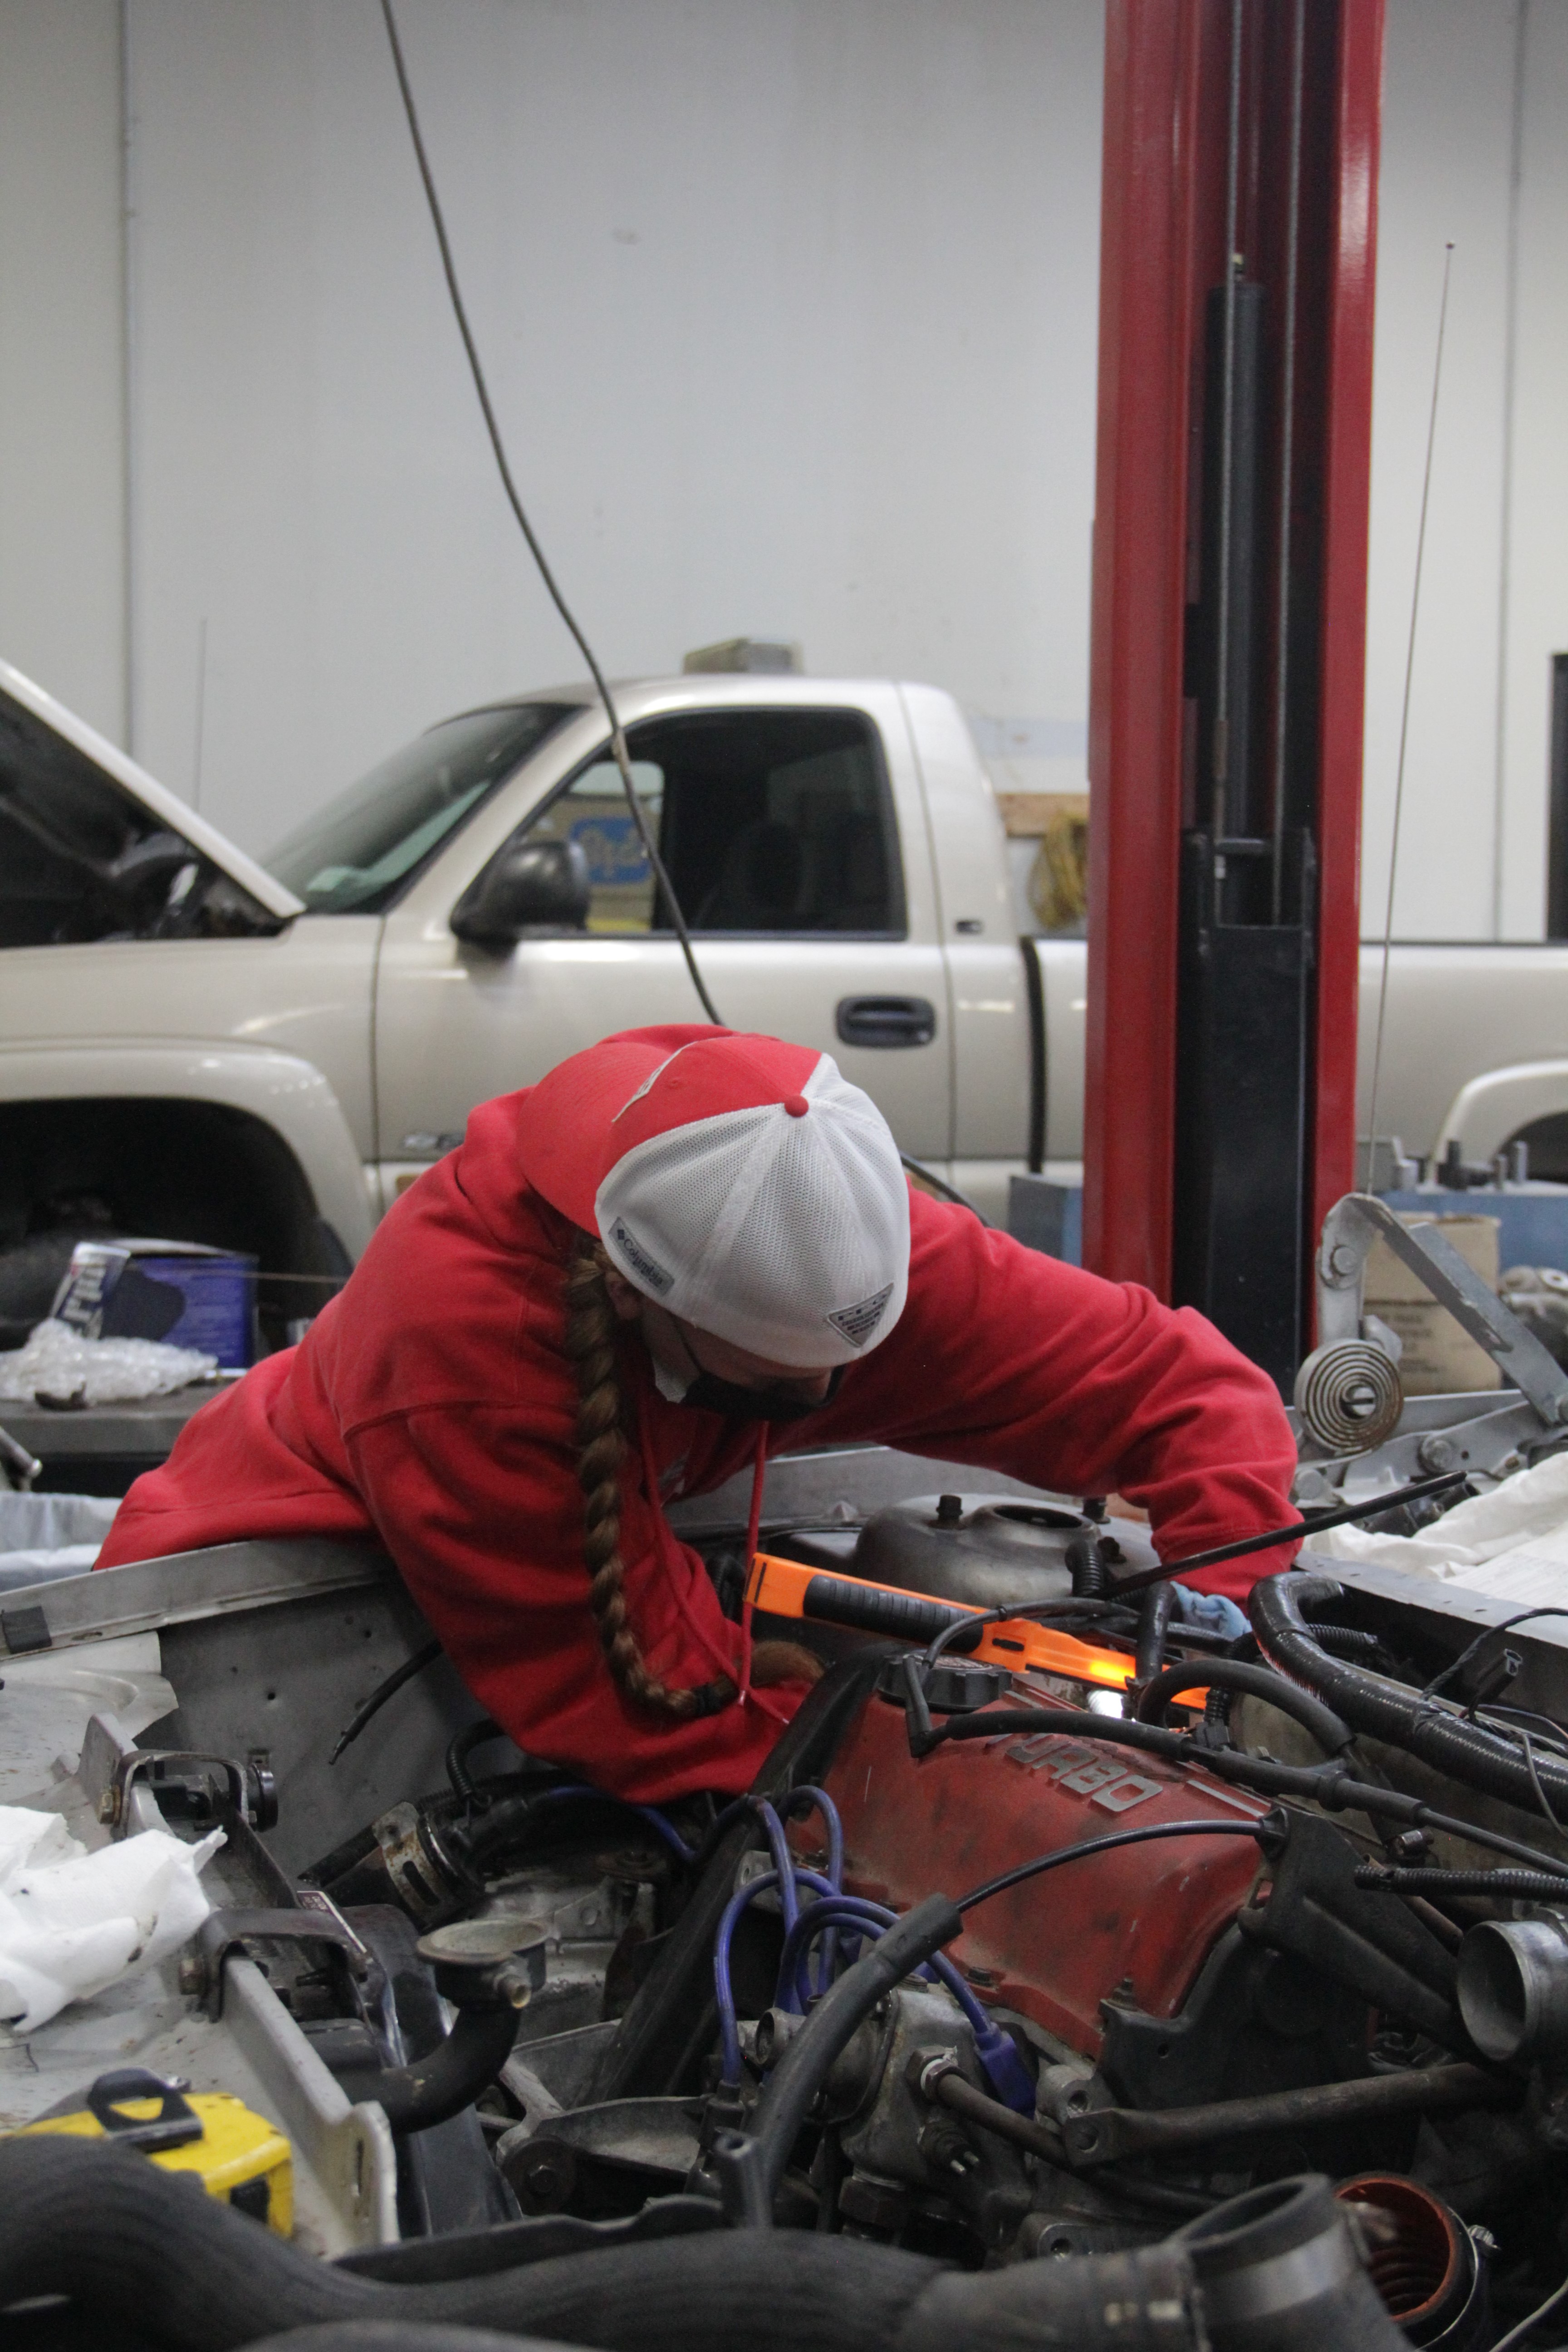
994,2047
723,1993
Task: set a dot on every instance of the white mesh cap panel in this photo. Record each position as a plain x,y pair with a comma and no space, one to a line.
786,1235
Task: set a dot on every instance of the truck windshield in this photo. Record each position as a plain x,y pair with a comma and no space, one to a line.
361,851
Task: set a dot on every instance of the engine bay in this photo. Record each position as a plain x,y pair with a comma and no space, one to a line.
1016,1973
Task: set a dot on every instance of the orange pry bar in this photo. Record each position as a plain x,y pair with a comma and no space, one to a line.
786,1588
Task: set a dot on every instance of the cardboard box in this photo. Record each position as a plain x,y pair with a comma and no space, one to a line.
1440,1357
180,1292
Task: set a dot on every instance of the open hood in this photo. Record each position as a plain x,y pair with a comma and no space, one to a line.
29,717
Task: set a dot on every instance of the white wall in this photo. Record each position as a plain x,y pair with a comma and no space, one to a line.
1477,91
62,478
790,314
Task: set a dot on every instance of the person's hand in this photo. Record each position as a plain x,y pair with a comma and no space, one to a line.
1212,1611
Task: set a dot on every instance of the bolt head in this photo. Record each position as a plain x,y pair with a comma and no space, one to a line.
108,1808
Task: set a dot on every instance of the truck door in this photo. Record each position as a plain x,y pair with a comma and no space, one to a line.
794,838
989,1012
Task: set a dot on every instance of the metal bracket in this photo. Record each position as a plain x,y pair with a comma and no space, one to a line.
223,1933
252,1793
1349,1229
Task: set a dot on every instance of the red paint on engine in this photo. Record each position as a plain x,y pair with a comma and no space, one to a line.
1138,1922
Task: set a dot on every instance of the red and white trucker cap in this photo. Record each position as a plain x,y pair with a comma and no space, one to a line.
741,1182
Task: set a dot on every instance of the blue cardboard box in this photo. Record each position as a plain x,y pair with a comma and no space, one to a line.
184,1293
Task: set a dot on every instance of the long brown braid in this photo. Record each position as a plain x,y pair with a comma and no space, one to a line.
590,1342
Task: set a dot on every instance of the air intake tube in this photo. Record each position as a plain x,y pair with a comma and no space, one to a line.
1465,1751
136,2248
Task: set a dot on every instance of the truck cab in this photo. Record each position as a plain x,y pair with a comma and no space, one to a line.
263,1054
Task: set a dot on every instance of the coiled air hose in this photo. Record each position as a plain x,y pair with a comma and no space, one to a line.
1451,1744
130,2244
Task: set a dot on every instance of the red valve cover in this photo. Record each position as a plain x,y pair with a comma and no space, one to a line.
1138,1922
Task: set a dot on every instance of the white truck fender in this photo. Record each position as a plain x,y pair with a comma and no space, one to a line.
286,1094
1491,1108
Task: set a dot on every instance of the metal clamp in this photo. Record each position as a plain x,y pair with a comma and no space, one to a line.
224,1932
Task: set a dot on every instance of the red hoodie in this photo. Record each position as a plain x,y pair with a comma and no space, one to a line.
432,1405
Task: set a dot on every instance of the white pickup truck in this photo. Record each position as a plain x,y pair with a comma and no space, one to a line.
216,1050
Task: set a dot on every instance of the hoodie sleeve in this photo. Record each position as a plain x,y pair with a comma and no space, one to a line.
1014,1361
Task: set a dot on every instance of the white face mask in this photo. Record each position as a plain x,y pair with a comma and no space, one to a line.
671,1386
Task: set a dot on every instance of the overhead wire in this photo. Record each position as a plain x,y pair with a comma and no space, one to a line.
487,408
619,746
1405,712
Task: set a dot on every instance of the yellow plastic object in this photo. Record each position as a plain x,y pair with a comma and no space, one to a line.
237,2149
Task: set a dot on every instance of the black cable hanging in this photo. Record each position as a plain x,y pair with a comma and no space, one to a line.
618,734
938,1184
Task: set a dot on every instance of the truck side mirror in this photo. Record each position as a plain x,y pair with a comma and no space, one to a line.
529,886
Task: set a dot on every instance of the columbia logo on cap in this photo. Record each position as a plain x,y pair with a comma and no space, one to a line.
647,1269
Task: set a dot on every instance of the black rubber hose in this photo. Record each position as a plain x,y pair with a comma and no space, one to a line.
808,2057
1531,1885
399,2336
433,2089
128,2243
1347,1642
1087,1566
1258,1682
1450,1744
462,1746
1153,1625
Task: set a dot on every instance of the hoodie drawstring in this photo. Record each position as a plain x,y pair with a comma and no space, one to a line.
672,1561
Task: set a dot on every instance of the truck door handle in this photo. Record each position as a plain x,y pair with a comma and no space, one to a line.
885,1021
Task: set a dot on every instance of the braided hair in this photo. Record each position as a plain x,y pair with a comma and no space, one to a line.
591,1341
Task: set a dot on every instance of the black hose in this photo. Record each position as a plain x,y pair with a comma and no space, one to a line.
129,2244
1086,1565
463,1744
1348,1641
1407,1720
383,1691
399,2336
1532,1885
1258,1682
1153,1624
808,2057
432,2089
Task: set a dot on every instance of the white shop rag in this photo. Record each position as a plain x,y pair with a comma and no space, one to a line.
73,1923
1512,1543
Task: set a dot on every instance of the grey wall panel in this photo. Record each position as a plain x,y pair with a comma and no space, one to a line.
62,537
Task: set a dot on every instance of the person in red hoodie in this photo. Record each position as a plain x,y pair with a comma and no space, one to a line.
681,1251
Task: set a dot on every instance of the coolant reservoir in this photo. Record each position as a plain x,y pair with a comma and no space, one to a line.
993,1552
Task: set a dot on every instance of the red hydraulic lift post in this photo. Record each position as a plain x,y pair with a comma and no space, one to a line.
1229,600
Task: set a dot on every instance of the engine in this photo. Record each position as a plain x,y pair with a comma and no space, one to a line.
1085,1961
1184,1976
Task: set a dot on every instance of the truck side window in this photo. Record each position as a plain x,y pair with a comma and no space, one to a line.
767,821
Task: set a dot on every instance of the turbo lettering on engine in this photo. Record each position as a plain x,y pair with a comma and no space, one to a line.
1103,1780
